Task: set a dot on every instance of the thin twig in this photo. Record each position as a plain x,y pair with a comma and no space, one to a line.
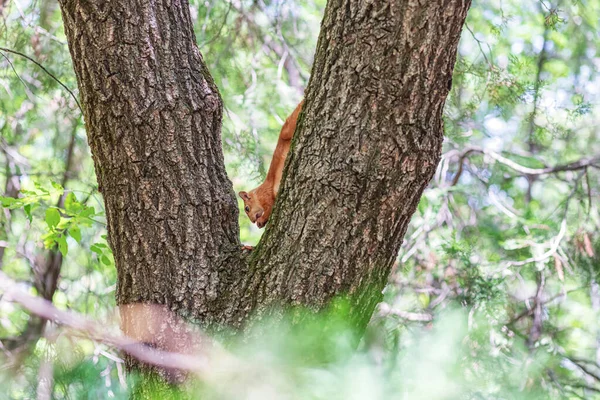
529,310
27,90
553,248
46,71
479,45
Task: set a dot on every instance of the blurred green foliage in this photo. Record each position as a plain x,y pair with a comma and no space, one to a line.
495,294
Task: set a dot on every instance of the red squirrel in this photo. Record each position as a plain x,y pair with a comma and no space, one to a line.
258,203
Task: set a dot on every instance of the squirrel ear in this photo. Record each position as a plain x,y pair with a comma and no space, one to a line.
244,195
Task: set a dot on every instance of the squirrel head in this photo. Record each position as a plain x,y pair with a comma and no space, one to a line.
258,204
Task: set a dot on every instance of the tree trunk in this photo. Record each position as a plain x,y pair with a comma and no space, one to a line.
367,147
153,117
367,144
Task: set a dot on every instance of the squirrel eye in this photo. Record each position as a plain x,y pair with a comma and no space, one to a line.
247,209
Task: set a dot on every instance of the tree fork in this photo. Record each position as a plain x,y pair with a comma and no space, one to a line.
368,143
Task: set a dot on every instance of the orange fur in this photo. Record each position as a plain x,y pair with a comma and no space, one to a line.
258,203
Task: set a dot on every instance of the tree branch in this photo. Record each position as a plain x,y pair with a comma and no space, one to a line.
385,309
47,72
98,332
573,166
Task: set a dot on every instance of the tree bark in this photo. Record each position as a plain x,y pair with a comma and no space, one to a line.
366,146
153,117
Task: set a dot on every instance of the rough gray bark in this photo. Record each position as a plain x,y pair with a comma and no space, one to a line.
367,145
153,117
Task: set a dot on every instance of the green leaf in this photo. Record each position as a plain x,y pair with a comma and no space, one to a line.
75,233
39,187
424,299
49,239
71,203
105,260
62,245
27,209
96,249
58,188
52,217
7,201
88,212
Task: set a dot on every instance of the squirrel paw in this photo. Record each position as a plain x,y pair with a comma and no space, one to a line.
249,248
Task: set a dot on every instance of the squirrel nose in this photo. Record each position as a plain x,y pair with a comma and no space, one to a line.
259,214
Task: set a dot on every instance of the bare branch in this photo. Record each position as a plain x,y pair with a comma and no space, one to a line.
479,44
385,309
582,163
554,244
537,320
95,331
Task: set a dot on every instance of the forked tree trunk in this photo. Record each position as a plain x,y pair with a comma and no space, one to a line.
367,144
